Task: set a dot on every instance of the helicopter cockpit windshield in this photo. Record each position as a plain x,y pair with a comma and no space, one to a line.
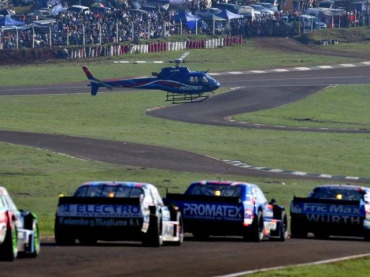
198,80
211,82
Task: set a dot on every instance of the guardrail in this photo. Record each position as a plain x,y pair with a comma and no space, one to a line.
28,55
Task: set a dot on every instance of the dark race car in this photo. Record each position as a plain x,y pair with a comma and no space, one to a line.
19,231
341,210
112,211
228,208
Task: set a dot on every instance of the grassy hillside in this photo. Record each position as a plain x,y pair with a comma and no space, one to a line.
355,34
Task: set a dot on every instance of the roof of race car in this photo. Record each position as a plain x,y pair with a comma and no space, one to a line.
344,187
224,183
117,183
3,191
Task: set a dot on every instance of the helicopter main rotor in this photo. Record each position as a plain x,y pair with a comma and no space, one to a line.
181,59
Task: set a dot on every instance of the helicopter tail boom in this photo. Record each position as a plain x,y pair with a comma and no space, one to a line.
94,83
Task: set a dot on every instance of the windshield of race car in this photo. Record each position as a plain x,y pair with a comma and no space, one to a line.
2,203
215,190
103,190
338,193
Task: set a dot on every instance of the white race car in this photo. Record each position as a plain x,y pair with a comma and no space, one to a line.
113,211
19,232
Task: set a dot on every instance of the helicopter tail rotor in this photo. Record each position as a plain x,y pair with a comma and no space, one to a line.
94,83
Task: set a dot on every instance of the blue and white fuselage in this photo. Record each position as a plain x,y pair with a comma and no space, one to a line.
178,80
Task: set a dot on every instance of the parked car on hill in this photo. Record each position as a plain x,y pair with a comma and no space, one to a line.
39,14
269,6
311,23
263,10
79,9
234,8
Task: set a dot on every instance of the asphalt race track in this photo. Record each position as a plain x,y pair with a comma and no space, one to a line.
215,257
263,91
194,258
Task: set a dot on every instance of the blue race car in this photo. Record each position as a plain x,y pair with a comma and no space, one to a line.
342,210
228,208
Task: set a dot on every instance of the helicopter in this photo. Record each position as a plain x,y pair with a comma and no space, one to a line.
181,84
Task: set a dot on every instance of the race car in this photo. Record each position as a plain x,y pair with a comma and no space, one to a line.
226,208
19,231
117,210
341,210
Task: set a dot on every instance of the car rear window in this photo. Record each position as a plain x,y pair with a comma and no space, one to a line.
104,190
337,193
215,190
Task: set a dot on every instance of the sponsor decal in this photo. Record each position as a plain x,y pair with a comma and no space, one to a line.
332,209
86,210
174,70
340,219
169,229
99,222
213,212
190,88
270,226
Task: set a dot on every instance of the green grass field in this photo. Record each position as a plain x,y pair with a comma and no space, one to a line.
36,177
248,56
332,110
121,116
359,267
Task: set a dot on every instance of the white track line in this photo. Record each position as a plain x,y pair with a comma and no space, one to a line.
298,265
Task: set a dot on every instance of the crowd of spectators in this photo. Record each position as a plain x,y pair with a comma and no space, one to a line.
129,24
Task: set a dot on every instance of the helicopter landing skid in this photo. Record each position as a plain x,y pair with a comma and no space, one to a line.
185,98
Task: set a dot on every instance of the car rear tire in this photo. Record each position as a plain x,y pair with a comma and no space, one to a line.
180,229
298,228
35,240
367,235
257,227
88,240
153,237
9,248
255,231
283,232
200,234
62,237
321,235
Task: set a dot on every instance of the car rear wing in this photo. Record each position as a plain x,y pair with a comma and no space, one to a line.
98,200
92,207
326,201
173,197
329,207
